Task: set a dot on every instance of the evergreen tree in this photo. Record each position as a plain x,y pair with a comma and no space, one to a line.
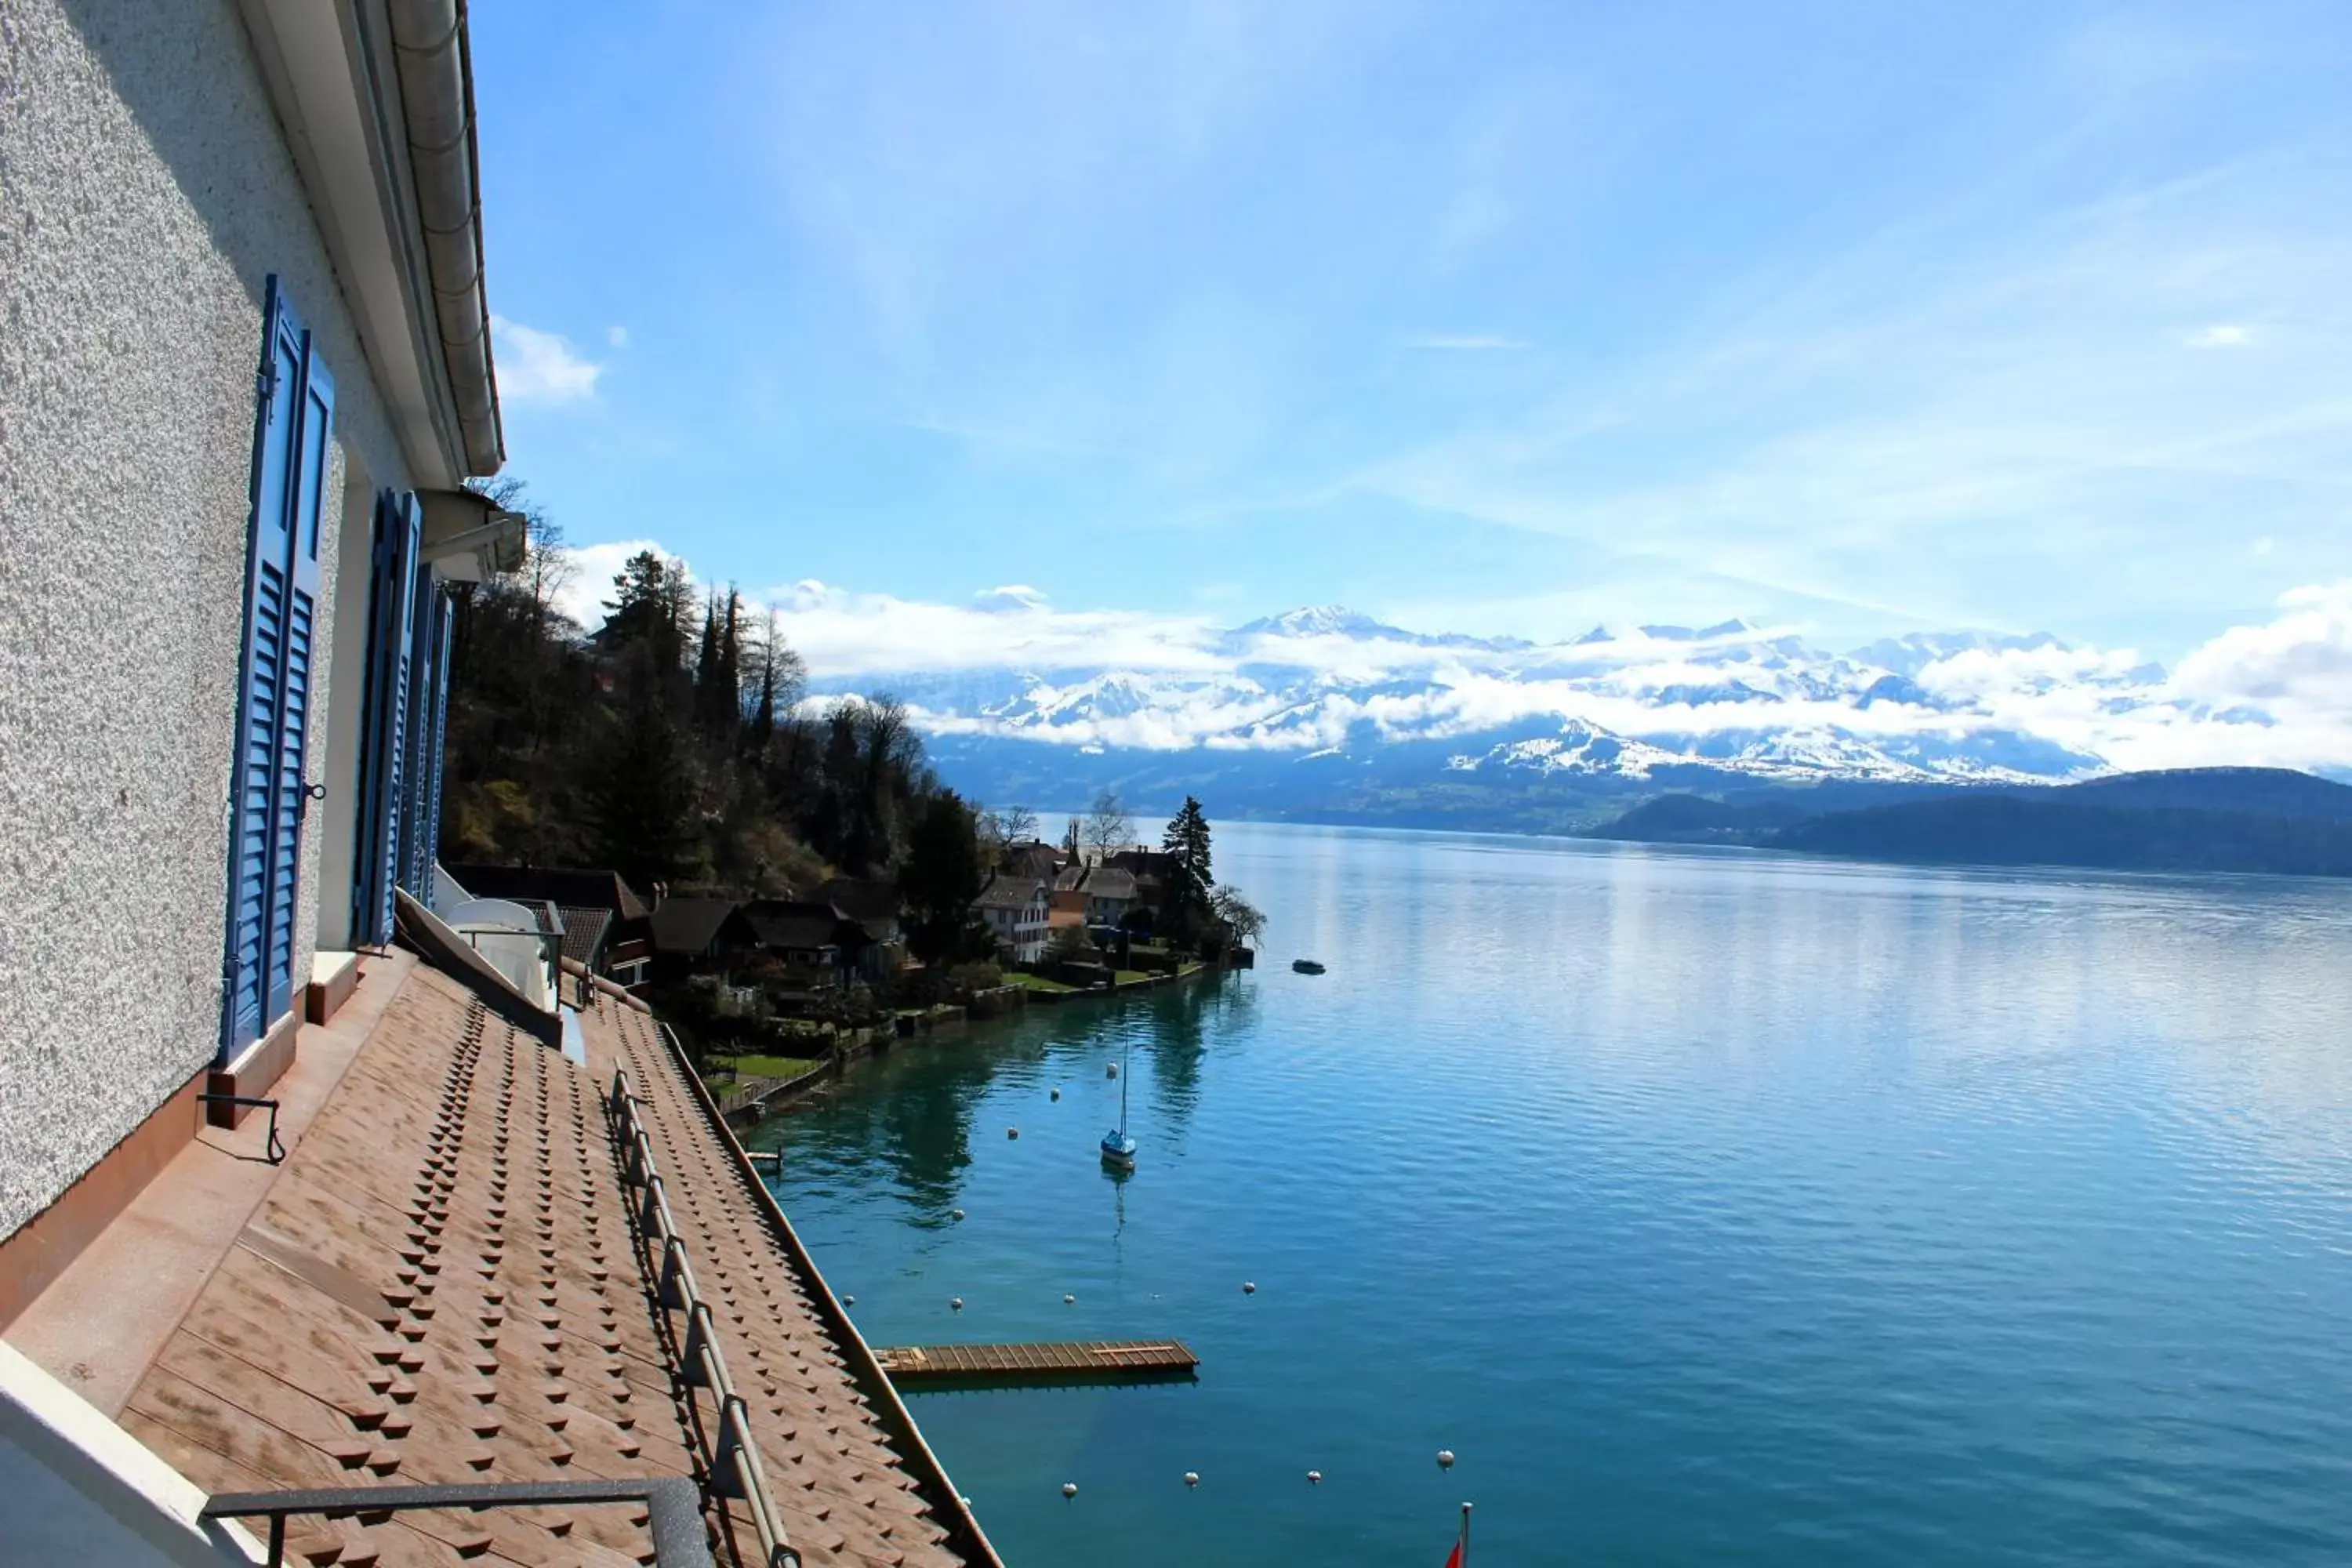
643,603
640,793
940,879
1186,843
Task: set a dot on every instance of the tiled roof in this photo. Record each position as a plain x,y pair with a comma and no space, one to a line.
789,924
1110,882
867,900
1005,892
444,1285
584,933
690,925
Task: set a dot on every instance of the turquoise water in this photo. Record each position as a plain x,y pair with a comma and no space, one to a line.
1711,1207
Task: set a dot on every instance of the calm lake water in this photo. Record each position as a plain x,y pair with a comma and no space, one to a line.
1712,1208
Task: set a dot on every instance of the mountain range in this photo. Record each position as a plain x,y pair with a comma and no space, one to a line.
1328,714
2196,819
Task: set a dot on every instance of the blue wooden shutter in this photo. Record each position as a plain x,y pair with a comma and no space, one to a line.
428,826
414,872
384,742
268,796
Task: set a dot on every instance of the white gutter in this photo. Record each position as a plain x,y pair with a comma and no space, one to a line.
437,91
378,117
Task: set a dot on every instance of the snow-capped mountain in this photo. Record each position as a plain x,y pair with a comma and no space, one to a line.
1734,698
1327,711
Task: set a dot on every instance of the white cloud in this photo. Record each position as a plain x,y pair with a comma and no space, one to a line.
2275,694
617,336
534,366
1463,341
2220,335
844,634
584,597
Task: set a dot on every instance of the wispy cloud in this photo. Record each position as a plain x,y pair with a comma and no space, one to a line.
536,366
2220,335
1472,341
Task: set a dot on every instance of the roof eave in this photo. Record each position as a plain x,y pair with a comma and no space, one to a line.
396,196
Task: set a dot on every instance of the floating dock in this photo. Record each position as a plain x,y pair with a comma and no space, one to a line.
1072,1361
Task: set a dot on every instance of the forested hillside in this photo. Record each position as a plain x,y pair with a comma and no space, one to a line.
665,742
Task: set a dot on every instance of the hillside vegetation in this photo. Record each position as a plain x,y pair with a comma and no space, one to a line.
2204,819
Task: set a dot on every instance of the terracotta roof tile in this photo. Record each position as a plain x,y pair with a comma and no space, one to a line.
444,1285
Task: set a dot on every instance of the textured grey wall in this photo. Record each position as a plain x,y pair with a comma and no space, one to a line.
145,194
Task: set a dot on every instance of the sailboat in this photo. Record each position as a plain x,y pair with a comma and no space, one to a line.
1117,1147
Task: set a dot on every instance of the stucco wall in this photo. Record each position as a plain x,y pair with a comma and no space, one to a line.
145,194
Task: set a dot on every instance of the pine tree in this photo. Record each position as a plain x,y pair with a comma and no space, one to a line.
941,879
1190,881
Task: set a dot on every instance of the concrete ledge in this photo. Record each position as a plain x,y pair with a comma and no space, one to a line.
47,1245
82,1489
333,977
260,1067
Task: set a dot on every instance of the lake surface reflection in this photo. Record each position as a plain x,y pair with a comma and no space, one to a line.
1711,1207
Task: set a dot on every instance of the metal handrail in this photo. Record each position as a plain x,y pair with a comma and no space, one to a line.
733,1461
951,1505
673,1507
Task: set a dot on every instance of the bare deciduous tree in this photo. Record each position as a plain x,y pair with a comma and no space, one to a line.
1108,826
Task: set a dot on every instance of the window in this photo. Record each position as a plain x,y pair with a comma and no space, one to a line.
268,791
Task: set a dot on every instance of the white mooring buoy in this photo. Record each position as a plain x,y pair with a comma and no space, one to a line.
955,1214
957,1302
1070,1488
1249,1286
849,1300
1110,1069
1445,1459
1057,1093
1012,1133
1315,1478
1070,1301
1192,1478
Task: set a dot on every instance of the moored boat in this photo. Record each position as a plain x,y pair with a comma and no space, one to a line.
1304,966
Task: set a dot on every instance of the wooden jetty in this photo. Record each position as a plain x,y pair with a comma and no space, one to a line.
1072,1361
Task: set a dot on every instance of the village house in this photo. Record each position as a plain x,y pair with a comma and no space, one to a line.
810,935
300,1196
1018,911
872,903
699,936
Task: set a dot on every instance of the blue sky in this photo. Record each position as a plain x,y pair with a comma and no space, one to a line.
1489,317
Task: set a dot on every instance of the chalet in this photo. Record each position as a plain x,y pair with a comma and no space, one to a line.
806,935
872,903
1018,911
699,936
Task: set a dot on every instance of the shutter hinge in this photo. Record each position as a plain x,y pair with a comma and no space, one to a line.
264,388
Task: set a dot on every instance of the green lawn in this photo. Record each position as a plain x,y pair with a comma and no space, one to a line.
765,1067
1036,981
1126,976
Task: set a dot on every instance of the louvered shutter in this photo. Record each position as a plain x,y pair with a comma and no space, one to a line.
428,826
415,871
383,745
267,795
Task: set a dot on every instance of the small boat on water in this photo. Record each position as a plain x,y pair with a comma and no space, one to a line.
1117,1147
1304,966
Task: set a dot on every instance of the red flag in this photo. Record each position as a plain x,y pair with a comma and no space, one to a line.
1453,1558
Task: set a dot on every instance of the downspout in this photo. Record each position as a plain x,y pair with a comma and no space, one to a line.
437,96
